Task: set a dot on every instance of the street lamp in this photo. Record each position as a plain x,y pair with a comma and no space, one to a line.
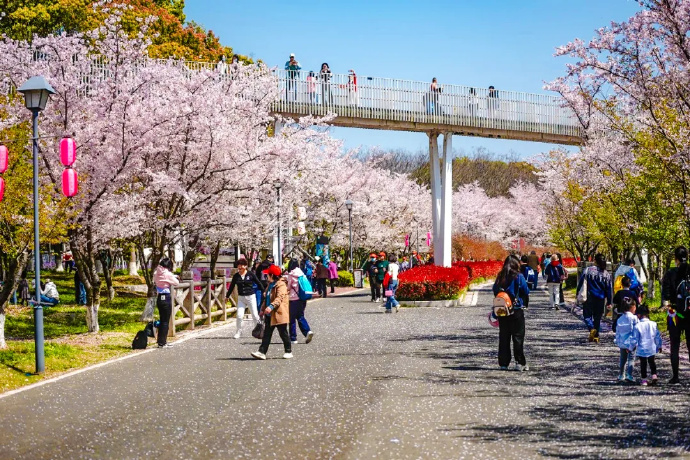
279,256
348,205
36,92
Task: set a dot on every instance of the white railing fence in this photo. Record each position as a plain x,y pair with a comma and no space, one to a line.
312,93
403,100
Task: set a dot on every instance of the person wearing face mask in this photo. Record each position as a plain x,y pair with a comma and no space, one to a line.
371,271
245,281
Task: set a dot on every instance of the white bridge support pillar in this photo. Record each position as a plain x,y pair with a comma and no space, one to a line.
441,196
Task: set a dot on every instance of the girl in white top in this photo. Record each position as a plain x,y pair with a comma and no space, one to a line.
393,270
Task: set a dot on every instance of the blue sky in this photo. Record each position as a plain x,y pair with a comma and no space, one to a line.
505,43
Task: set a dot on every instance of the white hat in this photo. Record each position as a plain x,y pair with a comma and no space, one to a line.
292,54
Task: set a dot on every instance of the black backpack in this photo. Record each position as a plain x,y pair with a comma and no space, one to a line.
141,340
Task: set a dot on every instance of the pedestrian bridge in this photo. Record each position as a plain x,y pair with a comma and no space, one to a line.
403,105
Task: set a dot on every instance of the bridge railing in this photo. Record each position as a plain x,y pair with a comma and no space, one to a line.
304,93
404,100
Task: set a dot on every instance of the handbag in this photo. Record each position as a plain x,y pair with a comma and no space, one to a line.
259,329
388,293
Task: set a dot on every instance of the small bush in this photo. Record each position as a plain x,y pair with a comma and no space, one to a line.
121,273
345,279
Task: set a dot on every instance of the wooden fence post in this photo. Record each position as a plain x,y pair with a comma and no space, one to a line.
173,308
207,299
188,277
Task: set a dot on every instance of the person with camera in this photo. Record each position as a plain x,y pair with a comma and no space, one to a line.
674,288
165,281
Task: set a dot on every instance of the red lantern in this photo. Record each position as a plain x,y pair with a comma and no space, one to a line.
4,158
70,183
2,188
68,151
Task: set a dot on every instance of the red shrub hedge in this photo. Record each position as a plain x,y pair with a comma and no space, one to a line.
484,269
430,282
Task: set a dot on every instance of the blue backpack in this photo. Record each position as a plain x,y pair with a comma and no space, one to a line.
304,289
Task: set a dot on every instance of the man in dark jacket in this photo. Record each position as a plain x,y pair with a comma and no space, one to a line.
533,262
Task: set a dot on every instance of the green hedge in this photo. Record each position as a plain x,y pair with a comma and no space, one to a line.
345,279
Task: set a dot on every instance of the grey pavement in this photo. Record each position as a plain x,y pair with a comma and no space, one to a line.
422,383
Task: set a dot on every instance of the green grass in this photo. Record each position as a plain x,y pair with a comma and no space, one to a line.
68,346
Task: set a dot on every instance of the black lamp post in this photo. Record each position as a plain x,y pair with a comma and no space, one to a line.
279,256
36,92
348,205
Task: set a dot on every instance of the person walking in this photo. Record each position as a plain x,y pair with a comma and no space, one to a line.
322,275
512,327
677,318
371,272
624,339
561,298
382,269
276,313
393,271
245,281
292,67
647,342
533,262
332,274
297,305
165,281
23,288
554,274
599,295
325,77
258,287
618,298
434,95
79,289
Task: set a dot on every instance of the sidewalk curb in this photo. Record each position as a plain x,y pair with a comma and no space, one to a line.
182,339
186,336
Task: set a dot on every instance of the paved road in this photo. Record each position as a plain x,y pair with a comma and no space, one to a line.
422,383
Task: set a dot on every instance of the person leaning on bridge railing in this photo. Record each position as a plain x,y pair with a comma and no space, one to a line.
325,77
293,68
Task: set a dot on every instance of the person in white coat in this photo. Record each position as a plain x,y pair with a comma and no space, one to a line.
647,341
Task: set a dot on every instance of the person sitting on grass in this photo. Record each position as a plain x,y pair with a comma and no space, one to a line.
624,339
49,294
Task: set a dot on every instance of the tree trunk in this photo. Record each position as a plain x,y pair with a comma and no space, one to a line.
190,254
106,258
132,266
85,259
651,288
214,260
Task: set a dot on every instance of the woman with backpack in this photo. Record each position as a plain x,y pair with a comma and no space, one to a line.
677,318
512,327
297,305
599,295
